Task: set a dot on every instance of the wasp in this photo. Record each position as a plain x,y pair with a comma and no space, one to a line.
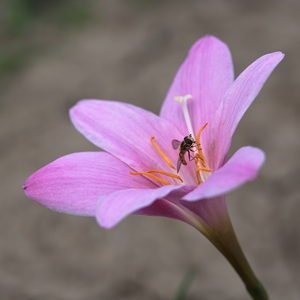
186,145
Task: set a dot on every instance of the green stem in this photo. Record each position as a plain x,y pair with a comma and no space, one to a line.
237,259
219,230
226,242
234,254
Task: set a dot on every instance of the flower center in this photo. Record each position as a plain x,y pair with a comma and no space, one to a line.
189,145
201,167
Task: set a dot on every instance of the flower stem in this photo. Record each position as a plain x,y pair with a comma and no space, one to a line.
235,256
239,262
258,292
214,223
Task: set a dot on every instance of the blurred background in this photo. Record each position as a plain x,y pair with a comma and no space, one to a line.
56,52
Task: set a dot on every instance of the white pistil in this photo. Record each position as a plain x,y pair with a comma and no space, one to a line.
183,101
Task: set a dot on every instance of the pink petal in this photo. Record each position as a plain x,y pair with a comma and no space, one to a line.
242,167
236,102
206,74
213,211
125,130
74,183
114,207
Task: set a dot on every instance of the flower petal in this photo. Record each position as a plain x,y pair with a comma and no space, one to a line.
236,102
206,74
114,207
125,130
242,167
74,183
213,211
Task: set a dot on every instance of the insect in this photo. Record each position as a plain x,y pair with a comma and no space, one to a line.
186,145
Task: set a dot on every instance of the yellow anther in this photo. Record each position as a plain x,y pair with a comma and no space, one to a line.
199,155
203,169
162,154
166,173
162,172
163,181
199,181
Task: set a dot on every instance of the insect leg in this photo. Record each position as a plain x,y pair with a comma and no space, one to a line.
190,156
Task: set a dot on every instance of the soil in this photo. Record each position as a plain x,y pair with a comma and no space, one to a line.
131,54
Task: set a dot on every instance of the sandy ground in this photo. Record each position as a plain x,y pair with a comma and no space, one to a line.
132,56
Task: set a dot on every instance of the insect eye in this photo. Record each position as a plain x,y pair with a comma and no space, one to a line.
188,140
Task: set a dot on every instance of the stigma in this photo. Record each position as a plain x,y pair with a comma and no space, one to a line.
183,101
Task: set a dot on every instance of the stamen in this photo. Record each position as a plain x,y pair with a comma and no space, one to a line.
203,169
168,161
183,101
166,173
199,181
200,161
162,154
163,181
200,153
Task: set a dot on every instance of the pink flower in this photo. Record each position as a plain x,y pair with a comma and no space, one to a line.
102,184
137,173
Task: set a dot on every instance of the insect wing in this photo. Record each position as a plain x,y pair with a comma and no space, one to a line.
179,161
175,144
